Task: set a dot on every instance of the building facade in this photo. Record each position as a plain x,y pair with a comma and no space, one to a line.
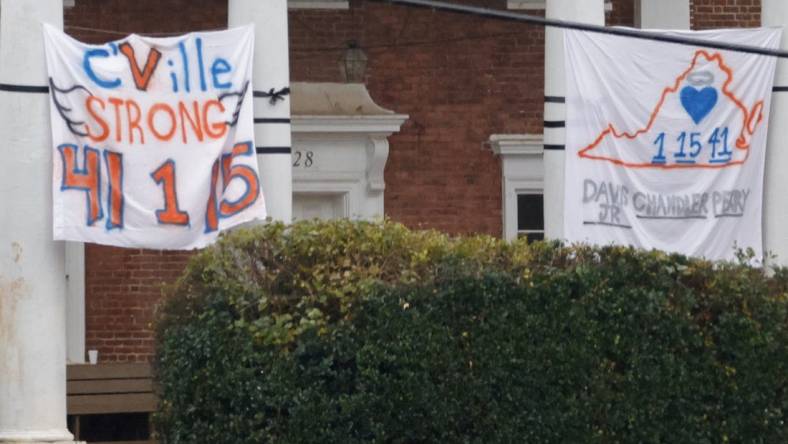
445,129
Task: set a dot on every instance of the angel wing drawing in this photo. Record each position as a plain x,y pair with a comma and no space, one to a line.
64,99
240,95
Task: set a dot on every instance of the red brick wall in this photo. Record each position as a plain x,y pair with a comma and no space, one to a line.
711,14
123,287
623,13
460,79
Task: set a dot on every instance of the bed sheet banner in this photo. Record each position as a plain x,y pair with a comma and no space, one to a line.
665,143
153,138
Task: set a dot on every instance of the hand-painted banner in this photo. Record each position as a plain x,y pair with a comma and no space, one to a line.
665,143
153,138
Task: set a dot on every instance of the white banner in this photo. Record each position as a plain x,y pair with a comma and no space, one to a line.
665,143
153,138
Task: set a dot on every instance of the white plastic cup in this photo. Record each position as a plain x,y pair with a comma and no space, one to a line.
93,356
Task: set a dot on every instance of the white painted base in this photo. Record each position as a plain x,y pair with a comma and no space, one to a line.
35,437
43,442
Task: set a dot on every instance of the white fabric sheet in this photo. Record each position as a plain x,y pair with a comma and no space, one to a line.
153,138
665,143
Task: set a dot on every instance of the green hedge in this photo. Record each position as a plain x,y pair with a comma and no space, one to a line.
348,332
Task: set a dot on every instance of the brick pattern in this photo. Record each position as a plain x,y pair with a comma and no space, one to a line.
460,79
123,287
622,14
712,14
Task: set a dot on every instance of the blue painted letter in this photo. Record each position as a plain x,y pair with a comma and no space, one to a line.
109,84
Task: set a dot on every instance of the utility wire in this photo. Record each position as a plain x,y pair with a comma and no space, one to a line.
509,16
554,23
124,34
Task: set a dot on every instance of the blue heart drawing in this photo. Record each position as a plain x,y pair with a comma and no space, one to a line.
698,103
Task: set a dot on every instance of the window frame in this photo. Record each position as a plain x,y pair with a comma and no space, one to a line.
522,171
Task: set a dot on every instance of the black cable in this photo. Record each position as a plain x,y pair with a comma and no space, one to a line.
625,32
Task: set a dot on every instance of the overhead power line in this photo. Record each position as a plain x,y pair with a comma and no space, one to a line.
625,32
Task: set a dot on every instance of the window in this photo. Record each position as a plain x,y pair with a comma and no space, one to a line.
530,216
522,179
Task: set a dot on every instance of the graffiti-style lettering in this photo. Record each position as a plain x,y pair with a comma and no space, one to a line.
134,114
171,214
141,77
152,121
136,120
89,106
214,129
114,164
86,65
193,119
185,61
86,179
200,64
220,66
245,174
212,211
116,104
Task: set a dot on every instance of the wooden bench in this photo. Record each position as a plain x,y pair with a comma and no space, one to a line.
104,389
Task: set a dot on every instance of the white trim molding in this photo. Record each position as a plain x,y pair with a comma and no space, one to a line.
522,171
382,125
349,155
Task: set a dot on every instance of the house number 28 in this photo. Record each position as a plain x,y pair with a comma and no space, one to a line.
303,159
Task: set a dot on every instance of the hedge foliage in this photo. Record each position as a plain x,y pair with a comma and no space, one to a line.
342,332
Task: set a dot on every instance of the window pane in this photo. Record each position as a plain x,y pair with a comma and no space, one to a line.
530,212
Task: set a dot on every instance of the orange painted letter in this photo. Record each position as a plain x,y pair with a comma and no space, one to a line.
141,78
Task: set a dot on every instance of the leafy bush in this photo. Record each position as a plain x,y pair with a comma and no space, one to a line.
359,332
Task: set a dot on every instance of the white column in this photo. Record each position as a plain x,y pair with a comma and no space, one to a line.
775,198
75,302
587,11
662,14
271,70
32,275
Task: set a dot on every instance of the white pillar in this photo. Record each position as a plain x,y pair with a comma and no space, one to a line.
75,302
662,14
271,70
775,199
587,11
32,275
